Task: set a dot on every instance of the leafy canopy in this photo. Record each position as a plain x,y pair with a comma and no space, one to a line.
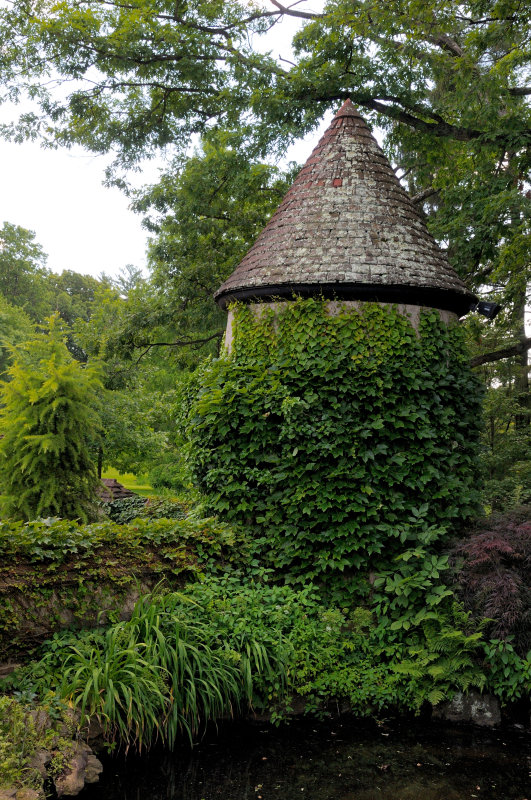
152,73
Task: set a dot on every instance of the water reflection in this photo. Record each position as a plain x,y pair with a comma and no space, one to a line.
344,760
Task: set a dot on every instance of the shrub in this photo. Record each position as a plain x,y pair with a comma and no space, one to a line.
125,509
494,575
17,745
129,508
169,473
26,728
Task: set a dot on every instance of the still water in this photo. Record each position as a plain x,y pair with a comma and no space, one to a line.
340,760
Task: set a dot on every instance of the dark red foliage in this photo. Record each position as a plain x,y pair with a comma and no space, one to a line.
493,565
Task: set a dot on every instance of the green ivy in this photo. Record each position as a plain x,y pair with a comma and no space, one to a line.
336,435
52,567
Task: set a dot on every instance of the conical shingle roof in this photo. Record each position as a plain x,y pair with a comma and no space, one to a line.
347,229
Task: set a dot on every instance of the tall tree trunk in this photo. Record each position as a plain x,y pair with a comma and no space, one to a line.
521,382
100,461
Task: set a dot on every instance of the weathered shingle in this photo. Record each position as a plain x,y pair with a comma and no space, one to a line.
347,228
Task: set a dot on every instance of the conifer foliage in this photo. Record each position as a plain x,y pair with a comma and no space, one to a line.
47,422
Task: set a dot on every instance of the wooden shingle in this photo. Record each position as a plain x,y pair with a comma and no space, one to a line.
347,229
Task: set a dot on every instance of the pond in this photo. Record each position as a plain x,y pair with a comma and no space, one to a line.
335,760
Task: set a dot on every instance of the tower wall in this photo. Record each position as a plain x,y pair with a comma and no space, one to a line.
334,307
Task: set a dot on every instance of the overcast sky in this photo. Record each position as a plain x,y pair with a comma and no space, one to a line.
59,195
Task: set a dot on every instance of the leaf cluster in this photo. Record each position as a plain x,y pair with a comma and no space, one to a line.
129,508
333,435
56,541
494,575
27,729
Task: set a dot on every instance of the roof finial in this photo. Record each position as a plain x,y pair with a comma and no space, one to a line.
348,109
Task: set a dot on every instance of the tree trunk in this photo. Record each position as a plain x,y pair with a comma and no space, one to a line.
521,382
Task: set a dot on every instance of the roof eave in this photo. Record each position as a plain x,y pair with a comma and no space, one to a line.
457,302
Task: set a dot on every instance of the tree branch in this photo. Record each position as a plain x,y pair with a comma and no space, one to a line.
497,355
447,43
302,14
421,196
442,129
438,128
179,343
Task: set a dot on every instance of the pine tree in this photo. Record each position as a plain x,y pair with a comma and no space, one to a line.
48,420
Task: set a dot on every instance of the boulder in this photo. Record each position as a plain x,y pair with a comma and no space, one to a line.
83,768
39,761
93,769
479,709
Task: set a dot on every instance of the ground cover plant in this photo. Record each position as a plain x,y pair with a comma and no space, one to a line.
129,508
28,728
232,644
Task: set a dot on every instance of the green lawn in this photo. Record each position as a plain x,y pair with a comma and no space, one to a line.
131,481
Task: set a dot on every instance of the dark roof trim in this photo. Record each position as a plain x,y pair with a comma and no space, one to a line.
459,303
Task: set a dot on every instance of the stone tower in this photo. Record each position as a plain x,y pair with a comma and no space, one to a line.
344,427
348,231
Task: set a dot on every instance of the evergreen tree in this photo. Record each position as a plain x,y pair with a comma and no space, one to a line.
15,327
48,419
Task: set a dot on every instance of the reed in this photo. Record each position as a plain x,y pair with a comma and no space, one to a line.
157,676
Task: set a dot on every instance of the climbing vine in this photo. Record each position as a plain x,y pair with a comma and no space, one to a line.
339,437
56,573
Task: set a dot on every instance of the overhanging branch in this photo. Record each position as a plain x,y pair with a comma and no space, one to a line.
289,10
422,196
498,355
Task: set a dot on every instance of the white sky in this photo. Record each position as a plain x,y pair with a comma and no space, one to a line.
59,195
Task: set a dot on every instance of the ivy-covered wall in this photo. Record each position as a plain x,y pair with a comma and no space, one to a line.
58,573
339,436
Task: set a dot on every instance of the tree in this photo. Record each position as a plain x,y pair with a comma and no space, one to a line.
205,213
152,73
15,327
48,421
445,80
23,272
131,435
72,296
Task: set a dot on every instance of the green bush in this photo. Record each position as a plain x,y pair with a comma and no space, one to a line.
17,745
169,473
331,434
125,509
26,728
